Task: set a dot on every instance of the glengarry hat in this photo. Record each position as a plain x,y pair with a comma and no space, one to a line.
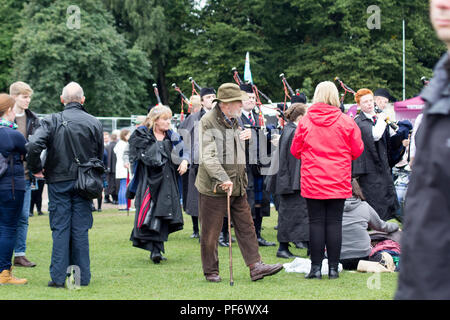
301,98
246,87
206,91
384,93
229,92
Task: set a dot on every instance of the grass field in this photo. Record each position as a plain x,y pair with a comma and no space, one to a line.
122,272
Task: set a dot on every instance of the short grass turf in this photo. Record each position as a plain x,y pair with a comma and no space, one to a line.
123,272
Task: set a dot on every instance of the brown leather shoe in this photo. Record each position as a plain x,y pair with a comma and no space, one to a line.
23,262
259,270
214,277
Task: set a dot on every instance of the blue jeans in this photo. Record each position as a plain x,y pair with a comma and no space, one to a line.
22,225
122,192
9,215
70,220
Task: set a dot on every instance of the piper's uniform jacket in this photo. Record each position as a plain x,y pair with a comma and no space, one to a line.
256,192
192,192
293,221
373,171
426,237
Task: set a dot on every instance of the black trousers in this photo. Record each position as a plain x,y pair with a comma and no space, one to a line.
36,196
352,264
325,229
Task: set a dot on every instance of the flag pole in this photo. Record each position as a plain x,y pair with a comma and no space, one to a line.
404,63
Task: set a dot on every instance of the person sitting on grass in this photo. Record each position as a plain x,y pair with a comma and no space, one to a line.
358,216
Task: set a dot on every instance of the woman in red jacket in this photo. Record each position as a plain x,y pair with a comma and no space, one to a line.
326,141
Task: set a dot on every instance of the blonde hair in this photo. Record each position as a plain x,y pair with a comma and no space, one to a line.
196,103
326,92
156,113
19,87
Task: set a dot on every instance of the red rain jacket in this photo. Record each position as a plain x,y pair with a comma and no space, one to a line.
326,141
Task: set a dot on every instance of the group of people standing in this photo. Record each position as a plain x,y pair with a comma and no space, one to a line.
309,170
38,149
332,181
17,123
313,169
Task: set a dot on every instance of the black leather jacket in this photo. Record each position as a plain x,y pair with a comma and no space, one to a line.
32,122
87,135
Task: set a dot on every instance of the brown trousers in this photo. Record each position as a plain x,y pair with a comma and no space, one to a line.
211,213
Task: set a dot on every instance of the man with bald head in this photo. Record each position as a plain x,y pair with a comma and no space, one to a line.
70,214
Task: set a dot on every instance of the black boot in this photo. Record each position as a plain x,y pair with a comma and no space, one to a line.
333,272
156,256
315,272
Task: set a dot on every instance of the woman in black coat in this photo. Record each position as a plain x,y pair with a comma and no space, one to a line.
293,222
155,186
372,167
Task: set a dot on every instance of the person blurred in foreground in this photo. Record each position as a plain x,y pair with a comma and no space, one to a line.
425,239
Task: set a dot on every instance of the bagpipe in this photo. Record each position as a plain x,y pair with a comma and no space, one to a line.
346,88
425,80
259,104
156,91
195,85
288,91
184,100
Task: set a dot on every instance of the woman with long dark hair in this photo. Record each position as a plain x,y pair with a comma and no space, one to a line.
326,141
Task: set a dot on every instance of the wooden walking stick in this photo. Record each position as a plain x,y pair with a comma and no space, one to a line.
229,236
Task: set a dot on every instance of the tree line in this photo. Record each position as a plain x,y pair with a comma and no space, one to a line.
117,49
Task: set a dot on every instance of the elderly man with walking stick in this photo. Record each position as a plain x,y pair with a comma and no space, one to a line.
222,177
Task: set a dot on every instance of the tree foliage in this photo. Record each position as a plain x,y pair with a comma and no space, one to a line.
160,28
314,41
123,47
49,54
9,24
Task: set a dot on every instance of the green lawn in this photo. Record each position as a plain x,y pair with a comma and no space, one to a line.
120,271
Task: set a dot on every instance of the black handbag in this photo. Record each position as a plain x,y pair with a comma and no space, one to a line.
89,183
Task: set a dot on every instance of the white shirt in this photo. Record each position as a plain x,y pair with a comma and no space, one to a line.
379,128
413,135
119,149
